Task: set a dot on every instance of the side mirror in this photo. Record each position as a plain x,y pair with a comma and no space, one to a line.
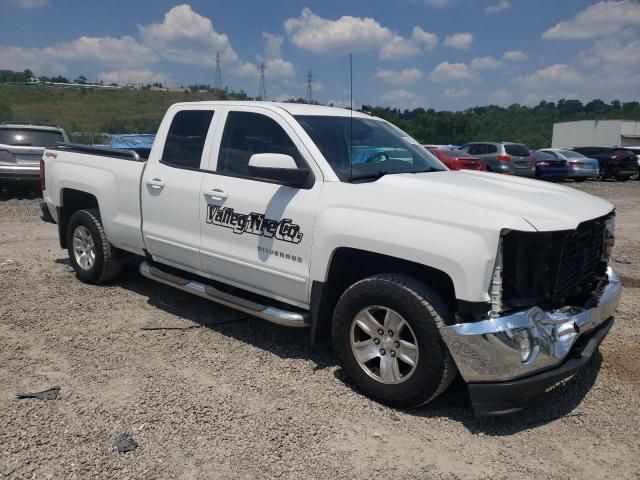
278,168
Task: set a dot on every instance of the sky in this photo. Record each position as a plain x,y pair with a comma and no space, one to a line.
442,54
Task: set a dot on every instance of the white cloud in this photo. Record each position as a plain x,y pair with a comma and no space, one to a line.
123,77
272,44
32,3
602,18
187,37
498,7
346,34
460,41
446,72
279,68
514,56
485,63
558,73
399,47
401,98
456,92
610,52
405,77
246,70
120,52
428,39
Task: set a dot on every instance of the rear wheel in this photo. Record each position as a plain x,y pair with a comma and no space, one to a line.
386,335
92,257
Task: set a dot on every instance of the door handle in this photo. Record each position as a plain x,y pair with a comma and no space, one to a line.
215,193
155,183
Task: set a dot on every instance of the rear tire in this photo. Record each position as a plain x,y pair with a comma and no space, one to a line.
410,365
92,257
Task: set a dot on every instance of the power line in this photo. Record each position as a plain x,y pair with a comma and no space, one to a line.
262,89
309,98
217,81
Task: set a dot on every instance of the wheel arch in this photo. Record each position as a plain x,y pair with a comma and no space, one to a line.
349,265
72,200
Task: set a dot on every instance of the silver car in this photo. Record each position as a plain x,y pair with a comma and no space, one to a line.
579,167
21,148
503,157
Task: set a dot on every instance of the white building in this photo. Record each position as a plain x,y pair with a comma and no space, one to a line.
600,133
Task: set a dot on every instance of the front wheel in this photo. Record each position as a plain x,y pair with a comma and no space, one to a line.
386,335
92,257
602,175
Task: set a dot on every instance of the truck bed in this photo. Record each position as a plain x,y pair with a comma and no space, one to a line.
112,176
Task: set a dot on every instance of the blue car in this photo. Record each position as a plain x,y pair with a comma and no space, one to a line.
579,167
548,167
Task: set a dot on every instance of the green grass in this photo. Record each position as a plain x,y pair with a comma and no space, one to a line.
92,110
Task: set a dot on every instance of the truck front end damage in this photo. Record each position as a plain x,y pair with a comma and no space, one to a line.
553,297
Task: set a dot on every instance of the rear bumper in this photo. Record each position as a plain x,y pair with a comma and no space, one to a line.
524,172
19,173
582,173
507,397
551,173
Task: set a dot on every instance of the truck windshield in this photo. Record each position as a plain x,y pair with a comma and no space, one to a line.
362,148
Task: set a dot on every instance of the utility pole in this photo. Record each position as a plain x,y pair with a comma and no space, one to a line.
217,81
262,89
309,98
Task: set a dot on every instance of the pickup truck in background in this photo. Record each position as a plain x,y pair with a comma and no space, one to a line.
338,221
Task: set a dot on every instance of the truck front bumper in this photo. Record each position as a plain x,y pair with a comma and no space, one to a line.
510,359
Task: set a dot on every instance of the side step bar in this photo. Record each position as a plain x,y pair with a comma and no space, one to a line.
272,314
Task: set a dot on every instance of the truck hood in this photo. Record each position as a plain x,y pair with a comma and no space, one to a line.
545,206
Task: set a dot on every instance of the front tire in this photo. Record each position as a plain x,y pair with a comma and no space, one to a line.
386,335
92,257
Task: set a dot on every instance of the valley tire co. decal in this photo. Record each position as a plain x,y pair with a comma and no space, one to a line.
254,223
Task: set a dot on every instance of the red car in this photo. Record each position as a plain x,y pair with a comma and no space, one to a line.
459,160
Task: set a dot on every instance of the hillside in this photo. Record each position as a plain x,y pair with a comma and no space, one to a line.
85,112
90,111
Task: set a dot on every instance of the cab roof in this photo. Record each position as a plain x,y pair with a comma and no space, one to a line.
292,108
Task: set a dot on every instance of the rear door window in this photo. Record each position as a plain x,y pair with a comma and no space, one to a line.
29,137
516,150
186,137
491,148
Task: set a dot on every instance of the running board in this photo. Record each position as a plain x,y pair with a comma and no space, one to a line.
272,314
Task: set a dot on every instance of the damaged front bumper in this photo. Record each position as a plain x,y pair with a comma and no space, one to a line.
498,357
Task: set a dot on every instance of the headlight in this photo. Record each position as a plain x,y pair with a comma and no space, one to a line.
609,237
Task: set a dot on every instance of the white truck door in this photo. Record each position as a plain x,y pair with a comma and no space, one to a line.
257,234
170,190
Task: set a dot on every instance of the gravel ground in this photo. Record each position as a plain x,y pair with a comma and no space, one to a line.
232,396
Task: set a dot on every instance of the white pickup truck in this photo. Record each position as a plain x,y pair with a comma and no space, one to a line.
338,221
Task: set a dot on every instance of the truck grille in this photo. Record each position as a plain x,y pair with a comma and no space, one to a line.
553,269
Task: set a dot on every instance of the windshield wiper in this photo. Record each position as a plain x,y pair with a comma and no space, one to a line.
382,173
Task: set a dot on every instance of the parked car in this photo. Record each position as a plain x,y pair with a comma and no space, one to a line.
615,162
21,148
636,152
503,157
579,167
458,160
412,271
548,167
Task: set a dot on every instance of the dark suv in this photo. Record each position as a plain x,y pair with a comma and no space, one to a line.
614,162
